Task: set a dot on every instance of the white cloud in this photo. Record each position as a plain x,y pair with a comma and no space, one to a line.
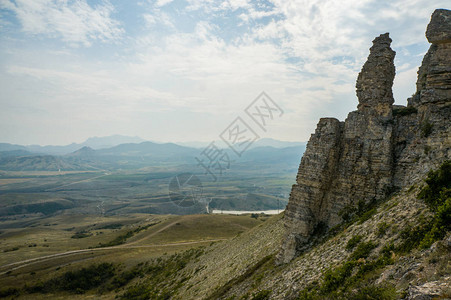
195,65
161,3
72,21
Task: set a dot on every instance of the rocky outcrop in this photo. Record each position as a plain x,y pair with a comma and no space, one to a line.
375,81
378,148
438,30
423,139
428,291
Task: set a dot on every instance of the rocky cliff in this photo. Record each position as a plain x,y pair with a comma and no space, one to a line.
378,149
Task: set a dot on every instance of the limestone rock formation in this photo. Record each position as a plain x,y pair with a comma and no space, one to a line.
438,30
375,81
378,148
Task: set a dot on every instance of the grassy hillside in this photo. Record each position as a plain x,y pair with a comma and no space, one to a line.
60,244
384,253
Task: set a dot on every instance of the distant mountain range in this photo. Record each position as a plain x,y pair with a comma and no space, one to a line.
133,155
264,142
92,142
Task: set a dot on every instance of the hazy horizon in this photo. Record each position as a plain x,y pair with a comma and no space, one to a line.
181,143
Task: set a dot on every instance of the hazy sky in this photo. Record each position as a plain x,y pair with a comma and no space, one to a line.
183,70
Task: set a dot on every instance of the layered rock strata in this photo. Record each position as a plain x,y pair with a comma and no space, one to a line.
378,148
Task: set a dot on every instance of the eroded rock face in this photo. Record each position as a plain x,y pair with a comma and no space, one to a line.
345,162
362,160
422,139
375,81
438,30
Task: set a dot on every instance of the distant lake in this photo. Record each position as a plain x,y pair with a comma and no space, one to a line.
242,212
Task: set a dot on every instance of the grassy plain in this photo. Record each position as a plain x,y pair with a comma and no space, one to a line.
48,248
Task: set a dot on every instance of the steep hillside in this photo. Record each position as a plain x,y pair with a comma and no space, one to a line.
378,247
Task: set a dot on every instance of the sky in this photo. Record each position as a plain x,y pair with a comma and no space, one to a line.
184,70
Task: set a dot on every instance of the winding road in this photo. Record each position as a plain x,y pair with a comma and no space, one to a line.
27,262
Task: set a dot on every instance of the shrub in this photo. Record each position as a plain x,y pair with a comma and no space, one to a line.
307,294
404,111
77,281
333,279
373,292
426,128
438,187
367,215
81,235
262,295
382,229
440,225
6,292
160,282
412,236
437,195
354,241
363,250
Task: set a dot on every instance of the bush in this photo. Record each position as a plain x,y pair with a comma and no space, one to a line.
262,295
382,229
437,195
440,225
412,236
6,292
373,292
78,281
354,241
363,250
333,279
404,111
426,128
81,235
367,215
309,294
160,282
438,187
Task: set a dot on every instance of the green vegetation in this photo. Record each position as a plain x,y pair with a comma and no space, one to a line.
221,291
262,295
437,195
404,111
81,234
382,229
112,226
352,279
11,249
162,277
121,239
438,189
426,128
363,250
334,278
367,215
360,213
354,241
7,292
78,281
373,292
